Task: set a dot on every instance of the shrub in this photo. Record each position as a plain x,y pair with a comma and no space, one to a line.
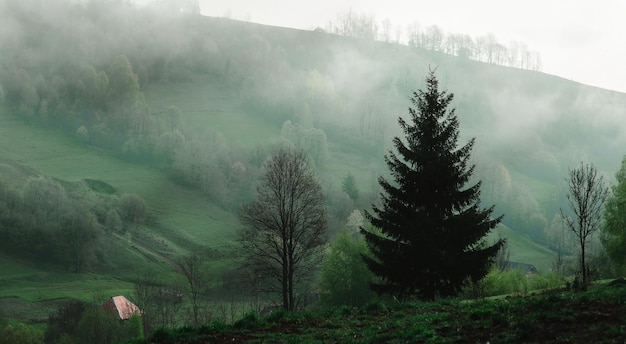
64,321
133,208
113,222
250,321
134,327
345,277
82,134
98,326
20,334
507,282
276,316
550,280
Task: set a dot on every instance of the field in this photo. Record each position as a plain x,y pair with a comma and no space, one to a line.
558,316
524,250
208,106
180,218
185,212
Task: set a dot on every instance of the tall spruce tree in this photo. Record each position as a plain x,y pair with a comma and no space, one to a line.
432,228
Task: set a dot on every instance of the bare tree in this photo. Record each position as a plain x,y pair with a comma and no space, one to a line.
285,227
433,38
385,33
192,266
159,302
351,24
586,197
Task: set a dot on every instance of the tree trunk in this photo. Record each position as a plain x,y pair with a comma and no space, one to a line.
291,296
583,269
285,285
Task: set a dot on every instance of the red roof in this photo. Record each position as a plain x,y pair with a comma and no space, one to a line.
121,307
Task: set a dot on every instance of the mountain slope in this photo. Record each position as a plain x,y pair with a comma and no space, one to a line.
243,88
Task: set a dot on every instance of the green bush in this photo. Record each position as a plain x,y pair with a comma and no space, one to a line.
82,134
345,277
98,326
133,208
134,327
506,282
517,282
20,334
62,324
550,280
276,316
162,335
250,321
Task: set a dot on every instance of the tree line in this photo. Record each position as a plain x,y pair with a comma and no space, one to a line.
43,222
93,90
484,48
425,238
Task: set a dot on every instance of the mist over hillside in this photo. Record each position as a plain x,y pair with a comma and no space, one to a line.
197,104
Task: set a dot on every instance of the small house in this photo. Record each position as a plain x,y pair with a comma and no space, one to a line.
120,307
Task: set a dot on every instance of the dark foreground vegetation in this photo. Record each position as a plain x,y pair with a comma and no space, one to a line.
559,316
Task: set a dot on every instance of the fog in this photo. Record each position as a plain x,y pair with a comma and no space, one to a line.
334,91
568,35
202,102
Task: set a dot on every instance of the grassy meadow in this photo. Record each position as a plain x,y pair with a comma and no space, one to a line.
352,92
179,218
558,316
183,212
524,250
207,105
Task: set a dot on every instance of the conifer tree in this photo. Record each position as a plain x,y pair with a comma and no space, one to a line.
349,187
432,228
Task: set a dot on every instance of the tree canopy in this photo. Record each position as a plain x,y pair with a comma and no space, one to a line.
432,228
614,229
285,230
349,187
587,193
345,277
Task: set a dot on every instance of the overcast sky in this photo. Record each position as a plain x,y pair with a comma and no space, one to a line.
579,40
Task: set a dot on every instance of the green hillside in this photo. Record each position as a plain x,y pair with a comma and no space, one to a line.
212,97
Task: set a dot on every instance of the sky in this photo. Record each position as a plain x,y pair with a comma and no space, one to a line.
584,41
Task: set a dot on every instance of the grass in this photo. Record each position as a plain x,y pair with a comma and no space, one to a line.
220,111
524,250
29,293
181,219
39,283
100,186
207,105
181,211
178,216
558,316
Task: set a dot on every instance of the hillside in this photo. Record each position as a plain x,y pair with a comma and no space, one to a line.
530,127
211,97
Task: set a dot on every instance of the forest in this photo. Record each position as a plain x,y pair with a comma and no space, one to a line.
136,140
